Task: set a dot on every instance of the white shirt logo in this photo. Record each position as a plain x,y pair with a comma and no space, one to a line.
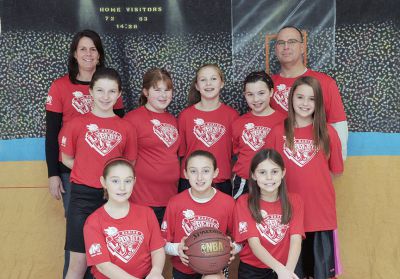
304,151
49,100
208,132
167,133
242,227
95,249
192,222
123,244
271,228
281,96
164,226
81,102
254,136
102,140
64,141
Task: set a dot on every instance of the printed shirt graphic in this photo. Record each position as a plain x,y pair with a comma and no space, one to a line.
82,103
166,132
254,136
242,227
274,236
184,215
157,166
304,151
281,96
193,222
126,242
208,132
271,228
123,244
49,100
333,104
102,140
95,250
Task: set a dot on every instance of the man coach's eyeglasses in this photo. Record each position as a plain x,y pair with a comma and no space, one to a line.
290,42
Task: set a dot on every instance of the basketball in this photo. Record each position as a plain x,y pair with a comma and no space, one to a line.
209,250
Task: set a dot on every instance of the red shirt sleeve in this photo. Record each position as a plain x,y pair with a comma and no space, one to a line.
167,226
243,228
335,111
235,137
297,220
68,138
131,143
231,218
335,160
182,134
96,247
54,100
156,239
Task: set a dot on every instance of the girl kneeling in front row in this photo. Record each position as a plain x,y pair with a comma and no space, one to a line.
122,239
268,221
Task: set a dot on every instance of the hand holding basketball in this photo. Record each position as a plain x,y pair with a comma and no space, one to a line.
232,250
209,250
181,248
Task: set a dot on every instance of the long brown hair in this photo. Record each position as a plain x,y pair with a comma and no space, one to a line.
255,192
320,130
194,95
73,68
151,78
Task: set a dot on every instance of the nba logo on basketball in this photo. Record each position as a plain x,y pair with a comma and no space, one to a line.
212,247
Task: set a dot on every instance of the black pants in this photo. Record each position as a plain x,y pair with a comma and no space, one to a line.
317,257
176,274
84,201
159,212
247,271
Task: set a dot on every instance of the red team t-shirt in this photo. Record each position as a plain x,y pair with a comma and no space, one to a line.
92,141
126,242
157,163
210,131
71,99
184,215
308,174
332,101
250,134
274,236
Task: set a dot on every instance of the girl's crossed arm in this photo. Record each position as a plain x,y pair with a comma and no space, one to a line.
264,256
294,251
113,271
157,263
